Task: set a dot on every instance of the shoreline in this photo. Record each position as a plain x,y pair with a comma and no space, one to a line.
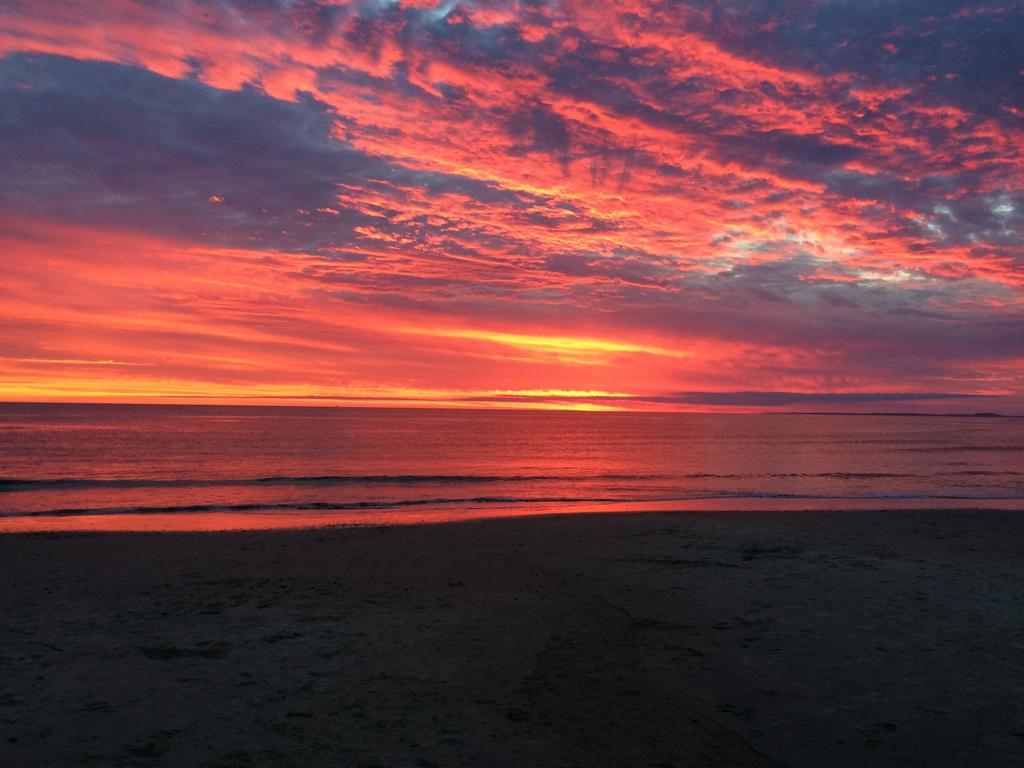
690,638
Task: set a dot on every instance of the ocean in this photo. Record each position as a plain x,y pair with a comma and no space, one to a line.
146,467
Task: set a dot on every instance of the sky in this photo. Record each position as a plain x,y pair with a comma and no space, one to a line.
701,205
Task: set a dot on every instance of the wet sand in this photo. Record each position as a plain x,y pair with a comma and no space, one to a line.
670,639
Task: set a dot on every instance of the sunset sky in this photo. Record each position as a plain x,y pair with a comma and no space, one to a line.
704,205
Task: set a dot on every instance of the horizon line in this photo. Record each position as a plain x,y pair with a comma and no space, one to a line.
517,407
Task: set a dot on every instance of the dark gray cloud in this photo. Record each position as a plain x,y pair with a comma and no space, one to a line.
634,267
967,52
797,154
775,399
544,130
107,144
110,144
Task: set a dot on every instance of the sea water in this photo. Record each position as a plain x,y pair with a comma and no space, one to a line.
208,467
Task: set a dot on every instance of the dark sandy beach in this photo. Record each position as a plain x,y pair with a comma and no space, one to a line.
718,639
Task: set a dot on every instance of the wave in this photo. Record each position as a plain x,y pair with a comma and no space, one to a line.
11,484
985,473
294,506
798,475
962,449
324,506
15,484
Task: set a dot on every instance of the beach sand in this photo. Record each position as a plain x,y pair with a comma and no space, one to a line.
671,639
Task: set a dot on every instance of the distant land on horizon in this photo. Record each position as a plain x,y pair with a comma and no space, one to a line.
521,409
